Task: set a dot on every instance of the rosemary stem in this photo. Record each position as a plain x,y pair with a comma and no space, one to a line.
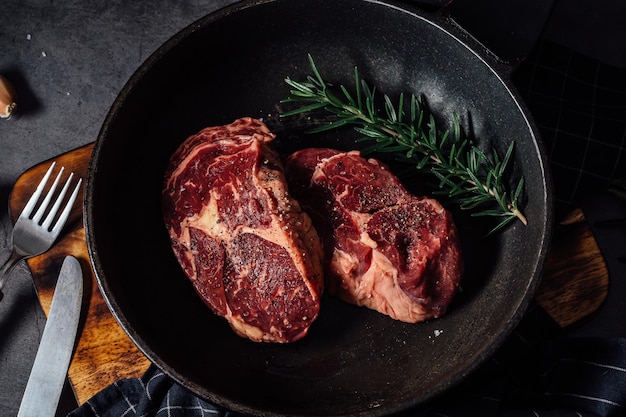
519,215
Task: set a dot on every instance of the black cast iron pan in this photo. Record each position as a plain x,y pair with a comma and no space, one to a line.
231,64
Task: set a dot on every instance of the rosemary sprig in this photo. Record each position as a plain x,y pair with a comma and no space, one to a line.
465,173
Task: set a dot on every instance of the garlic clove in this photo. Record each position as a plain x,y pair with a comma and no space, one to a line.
7,98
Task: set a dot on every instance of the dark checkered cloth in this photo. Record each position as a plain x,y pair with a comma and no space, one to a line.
579,106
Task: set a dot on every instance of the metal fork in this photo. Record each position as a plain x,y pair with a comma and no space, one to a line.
33,234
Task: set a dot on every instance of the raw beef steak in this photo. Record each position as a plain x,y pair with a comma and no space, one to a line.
251,253
384,248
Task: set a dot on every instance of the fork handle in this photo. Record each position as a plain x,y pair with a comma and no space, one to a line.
6,269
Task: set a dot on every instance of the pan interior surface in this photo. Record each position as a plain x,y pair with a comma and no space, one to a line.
232,64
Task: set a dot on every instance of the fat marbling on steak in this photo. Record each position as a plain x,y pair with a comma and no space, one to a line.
385,248
251,253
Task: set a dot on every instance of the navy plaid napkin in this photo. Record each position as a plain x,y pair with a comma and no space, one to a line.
154,394
579,106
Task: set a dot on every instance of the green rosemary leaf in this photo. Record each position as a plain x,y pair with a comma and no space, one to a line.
370,107
471,205
348,96
453,154
492,213
304,109
456,127
391,111
518,191
444,180
357,84
366,91
315,83
501,225
370,133
489,180
401,108
301,95
507,158
306,88
423,162
333,100
331,125
432,131
443,140
395,148
473,178
315,71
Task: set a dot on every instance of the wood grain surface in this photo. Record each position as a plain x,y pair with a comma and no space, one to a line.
575,284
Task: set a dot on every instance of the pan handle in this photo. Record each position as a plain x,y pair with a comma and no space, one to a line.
508,29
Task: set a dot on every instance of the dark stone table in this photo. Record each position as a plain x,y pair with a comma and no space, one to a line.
68,60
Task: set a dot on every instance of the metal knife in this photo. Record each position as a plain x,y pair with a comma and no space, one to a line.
47,377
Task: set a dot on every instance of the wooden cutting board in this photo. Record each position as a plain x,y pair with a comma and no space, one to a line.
575,284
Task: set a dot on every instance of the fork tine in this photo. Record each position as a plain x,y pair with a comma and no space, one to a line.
57,203
68,208
32,201
44,204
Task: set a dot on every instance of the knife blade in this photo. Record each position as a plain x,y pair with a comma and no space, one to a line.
45,383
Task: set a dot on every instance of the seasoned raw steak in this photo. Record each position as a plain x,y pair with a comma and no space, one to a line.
385,248
251,253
